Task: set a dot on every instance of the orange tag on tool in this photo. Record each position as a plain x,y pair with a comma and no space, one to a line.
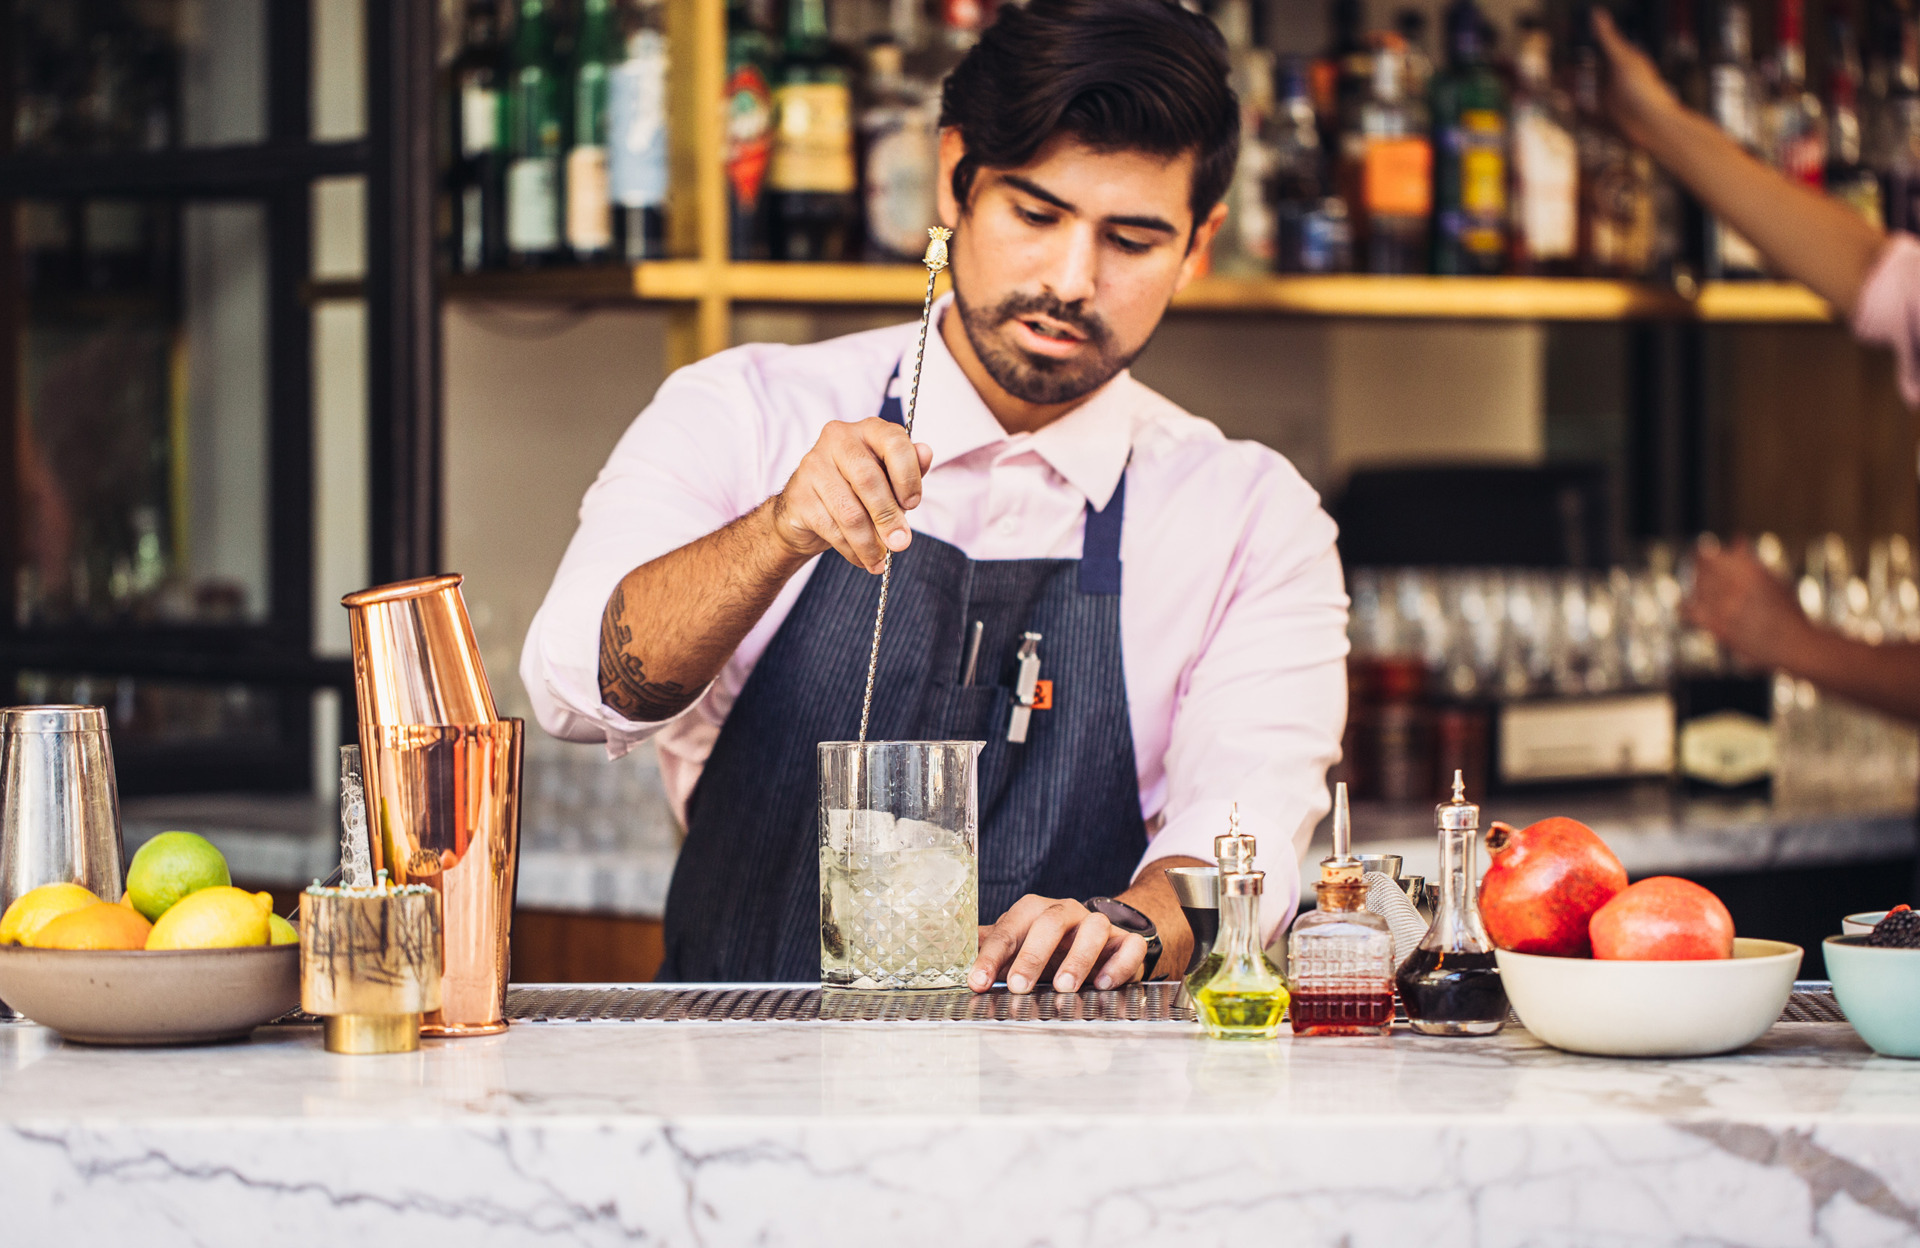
1042,695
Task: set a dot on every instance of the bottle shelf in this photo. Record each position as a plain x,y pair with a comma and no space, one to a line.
1346,295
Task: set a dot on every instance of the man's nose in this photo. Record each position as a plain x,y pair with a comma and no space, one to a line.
1076,269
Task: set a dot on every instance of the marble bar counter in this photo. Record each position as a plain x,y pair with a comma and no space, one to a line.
850,1133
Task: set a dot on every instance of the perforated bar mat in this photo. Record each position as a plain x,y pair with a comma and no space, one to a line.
1812,1002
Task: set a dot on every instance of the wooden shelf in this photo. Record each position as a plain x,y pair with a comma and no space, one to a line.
1417,298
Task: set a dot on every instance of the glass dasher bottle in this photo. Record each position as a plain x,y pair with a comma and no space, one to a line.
1340,955
1236,990
1450,985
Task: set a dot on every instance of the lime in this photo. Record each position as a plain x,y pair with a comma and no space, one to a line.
169,867
37,907
213,918
281,931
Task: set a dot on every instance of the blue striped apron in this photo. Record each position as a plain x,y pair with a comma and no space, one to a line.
1059,814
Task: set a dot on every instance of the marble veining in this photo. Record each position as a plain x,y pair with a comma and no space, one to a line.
1097,1134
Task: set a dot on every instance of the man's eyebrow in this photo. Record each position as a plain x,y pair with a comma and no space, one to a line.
1159,225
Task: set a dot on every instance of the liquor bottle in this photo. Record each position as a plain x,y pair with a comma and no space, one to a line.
637,170
811,178
1411,26
899,150
535,141
1294,187
1793,125
1680,223
1450,985
1346,75
478,233
1248,241
1849,178
1546,163
1340,955
961,22
1895,156
1736,103
1616,179
1469,152
589,206
749,108
1389,169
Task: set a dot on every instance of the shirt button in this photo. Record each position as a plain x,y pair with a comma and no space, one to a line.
1008,525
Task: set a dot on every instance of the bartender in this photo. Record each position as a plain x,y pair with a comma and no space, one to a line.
718,597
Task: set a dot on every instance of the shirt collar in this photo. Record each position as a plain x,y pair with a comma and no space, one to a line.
1089,446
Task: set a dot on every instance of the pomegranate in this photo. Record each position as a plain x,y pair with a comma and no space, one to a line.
1663,919
1543,883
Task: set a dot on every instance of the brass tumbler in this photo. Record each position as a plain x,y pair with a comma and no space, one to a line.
445,804
370,965
415,659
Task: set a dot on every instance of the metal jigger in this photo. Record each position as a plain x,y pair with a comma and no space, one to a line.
370,964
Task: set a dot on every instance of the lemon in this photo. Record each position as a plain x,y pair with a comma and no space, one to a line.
221,917
35,908
281,931
102,925
169,867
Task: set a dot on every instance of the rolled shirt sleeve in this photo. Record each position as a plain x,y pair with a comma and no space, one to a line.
1263,706
692,463
1888,312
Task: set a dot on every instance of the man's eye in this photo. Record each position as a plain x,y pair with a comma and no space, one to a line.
1033,218
1131,246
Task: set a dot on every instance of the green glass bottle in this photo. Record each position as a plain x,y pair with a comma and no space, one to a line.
812,176
589,209
536,133
477,233
1469,108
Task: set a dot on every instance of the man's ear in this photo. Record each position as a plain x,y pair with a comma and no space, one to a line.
1202,244
952,148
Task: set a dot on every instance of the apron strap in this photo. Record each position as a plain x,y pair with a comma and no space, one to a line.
1099,548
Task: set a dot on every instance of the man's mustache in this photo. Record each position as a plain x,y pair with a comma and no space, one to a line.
1016,307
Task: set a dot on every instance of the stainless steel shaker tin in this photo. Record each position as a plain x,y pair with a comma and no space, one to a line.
59,802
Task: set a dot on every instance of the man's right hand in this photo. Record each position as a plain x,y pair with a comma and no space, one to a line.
852,492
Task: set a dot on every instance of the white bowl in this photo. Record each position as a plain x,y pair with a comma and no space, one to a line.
1652,1009
1862,923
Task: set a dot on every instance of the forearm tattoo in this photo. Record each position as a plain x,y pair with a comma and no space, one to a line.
623,676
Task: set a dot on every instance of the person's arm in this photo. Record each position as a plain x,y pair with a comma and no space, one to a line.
1755,616
1059,941
1803,234
672,623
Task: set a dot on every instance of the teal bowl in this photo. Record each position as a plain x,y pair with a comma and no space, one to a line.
1880,991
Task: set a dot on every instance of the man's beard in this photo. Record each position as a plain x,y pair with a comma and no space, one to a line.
1042,379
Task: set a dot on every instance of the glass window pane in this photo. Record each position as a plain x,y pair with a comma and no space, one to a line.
138,75
183,737
339,70
143,439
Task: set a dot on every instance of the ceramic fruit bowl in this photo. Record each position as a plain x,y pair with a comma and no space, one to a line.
1879,989
1652,1009
133,997
1862,923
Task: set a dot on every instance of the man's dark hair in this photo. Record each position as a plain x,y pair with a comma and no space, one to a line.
1116,75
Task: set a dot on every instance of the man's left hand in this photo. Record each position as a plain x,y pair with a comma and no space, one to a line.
1048,937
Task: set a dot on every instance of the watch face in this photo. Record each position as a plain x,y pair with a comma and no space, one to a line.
1122,915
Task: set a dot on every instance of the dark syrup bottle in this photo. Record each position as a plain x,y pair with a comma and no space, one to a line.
1450,985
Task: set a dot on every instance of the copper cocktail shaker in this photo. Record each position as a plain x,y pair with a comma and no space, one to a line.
445,802
442,775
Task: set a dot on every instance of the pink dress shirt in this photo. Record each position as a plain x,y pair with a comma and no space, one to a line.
1232,607
1889,309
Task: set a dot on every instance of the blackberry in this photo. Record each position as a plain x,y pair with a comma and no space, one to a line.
1899,930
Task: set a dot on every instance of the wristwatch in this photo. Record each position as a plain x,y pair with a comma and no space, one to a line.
1127,919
